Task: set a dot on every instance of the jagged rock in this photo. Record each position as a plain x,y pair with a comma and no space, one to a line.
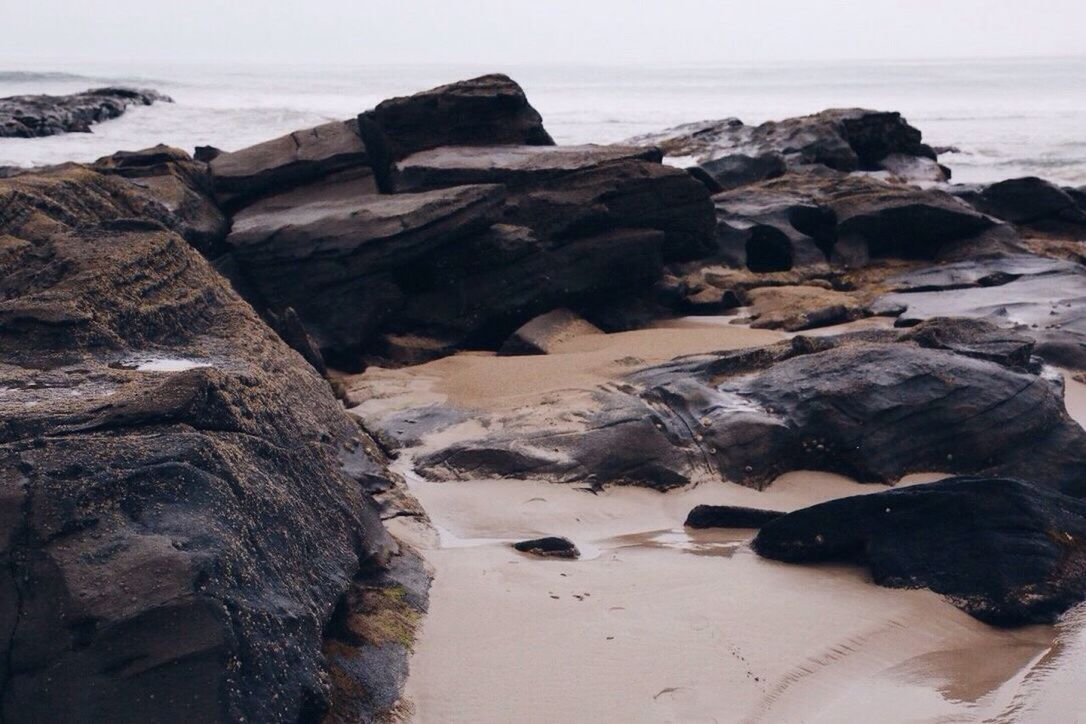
489,110
283,163
729,516
544,333
44,115
182,516
549,547
1030,202
181,184
1004,551
333,252
849,139
865,405
739,169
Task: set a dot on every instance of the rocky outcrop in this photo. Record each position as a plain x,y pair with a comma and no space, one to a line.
1004,551
868,405
485,111
183,498
729,516
1031,203
851,139
43,115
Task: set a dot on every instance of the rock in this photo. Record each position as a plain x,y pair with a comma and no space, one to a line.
739,169
490,110
550,547
1039,297
1030,202
43,115
865,405
919,170
181,185
543,334
182,516
974,338
275,166
206,154
1004,551
795,308
842,139
709,301
333,251
729,516
514,166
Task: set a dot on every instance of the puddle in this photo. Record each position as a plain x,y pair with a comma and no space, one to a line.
722,542
159,364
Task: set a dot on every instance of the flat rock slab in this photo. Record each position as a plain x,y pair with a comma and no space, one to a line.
1004,551
512,165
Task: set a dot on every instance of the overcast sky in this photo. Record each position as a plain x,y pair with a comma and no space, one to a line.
533,31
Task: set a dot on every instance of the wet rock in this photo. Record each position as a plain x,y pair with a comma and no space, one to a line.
866,405
974,338
549,547
182,518
543,334
32,116
729,516
795,308
283,163
490,110
842,139
1005,551
1030,202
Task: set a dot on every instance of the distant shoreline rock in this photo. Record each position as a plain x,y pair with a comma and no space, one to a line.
35,116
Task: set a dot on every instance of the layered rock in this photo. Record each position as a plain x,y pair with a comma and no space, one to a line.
44,115
1004,551
183,497
868,406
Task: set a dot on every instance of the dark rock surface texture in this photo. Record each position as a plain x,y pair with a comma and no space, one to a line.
43,115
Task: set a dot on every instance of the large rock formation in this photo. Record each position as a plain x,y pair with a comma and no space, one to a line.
182,496
490,224
1032,203
1004,551
869,406
43,115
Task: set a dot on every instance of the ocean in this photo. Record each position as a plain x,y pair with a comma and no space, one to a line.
1007,118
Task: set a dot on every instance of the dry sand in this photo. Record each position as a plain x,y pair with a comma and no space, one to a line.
657,624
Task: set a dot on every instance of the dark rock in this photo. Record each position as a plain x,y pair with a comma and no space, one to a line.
283,163
709,301
842,139
729,516
1004,551
180,522
739,169
181,184
866,405
207,154
487,111
334,252
1031,202
550,547
974,338
544,333
697,172
43,115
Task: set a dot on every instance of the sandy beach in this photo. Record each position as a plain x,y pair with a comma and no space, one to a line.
657,623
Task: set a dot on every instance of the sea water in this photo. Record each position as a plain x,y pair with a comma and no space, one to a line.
1008,117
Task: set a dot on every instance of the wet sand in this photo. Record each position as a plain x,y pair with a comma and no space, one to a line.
659,624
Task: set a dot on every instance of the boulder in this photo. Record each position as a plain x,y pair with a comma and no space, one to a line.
278,165
1004,551
549,547
543,334
182,495
729,516
865,405
339,254
1030,202
489,110
44,115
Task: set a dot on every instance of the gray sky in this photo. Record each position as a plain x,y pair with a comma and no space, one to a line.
533,31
